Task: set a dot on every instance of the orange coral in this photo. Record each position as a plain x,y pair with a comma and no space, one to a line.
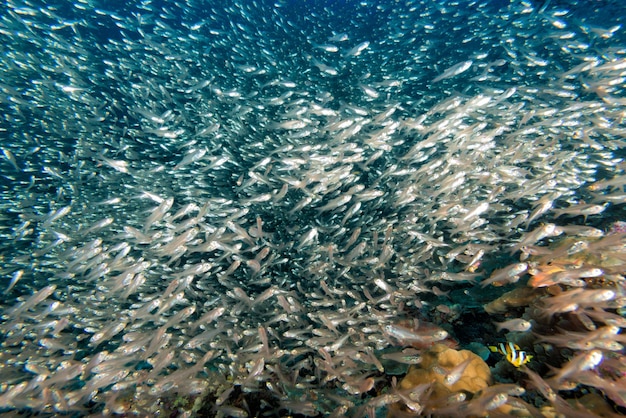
439,360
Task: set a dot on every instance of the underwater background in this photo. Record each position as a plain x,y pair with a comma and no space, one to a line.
312,208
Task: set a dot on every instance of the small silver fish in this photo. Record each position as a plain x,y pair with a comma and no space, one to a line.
517,324
456,69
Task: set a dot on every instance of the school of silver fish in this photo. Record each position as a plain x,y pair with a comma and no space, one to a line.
208,200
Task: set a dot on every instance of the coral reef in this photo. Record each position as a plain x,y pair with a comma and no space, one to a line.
575,301
435,370
440,359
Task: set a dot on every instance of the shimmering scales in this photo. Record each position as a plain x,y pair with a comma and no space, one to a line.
287,197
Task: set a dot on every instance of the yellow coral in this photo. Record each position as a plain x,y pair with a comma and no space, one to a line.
475,376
